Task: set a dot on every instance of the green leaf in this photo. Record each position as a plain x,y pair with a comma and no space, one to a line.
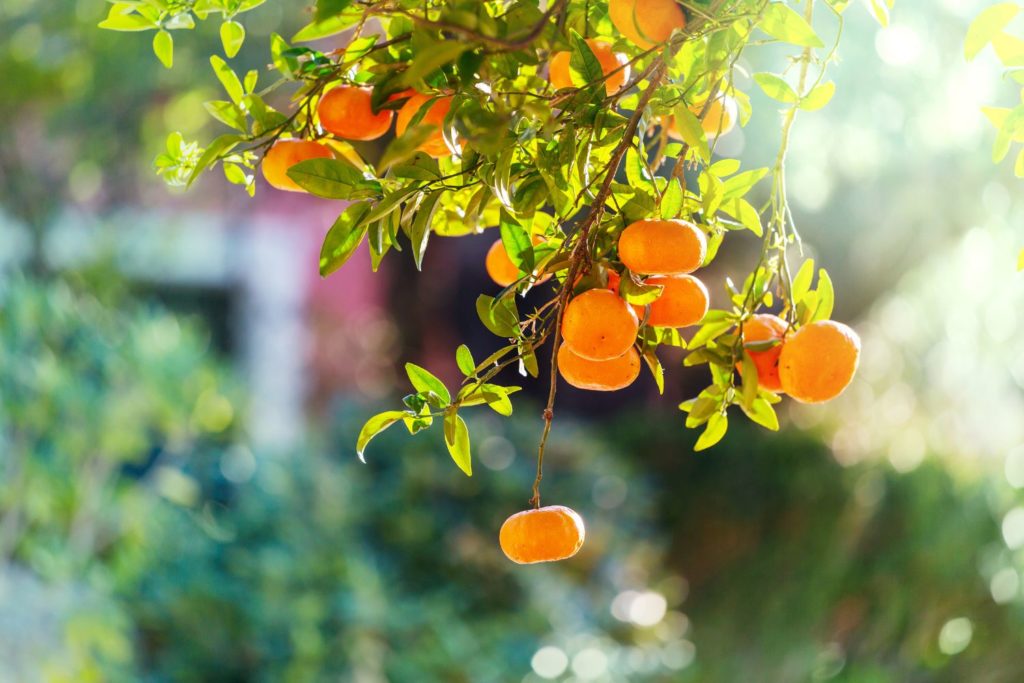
762,413
1013,126
713,432
227,78
328,27
782,22
517,242
227,113
333,179
775,87
456,437
880,11
688,126
163,48
638,293
122,17
826,296
325,9
464,359
802,281
423,380
1020,260
374,426
344,238
498,316
818,97
672,200
583,63
986,26
232,35
1018,165
657,371
419,233
431,58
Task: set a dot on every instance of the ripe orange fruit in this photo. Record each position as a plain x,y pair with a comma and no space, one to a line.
682,303
500,267
662,247
645,23
599,325
547,534
819,361
284,154
560,75
761,328
720,118
598,375
434,117
345,111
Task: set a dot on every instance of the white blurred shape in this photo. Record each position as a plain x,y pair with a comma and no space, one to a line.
956,635
1005,585
549,662
590,663
1013,528
899,45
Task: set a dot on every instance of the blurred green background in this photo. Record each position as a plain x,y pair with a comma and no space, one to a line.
179,396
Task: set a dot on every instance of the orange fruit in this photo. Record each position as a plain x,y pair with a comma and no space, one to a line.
599,325
662,247
434,117
646,23
547,534
818,361
598,375
500,267
284,154
560,75
720,117
682,303
761,328
345,111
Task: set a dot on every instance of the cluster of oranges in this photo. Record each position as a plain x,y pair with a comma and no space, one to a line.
812,365
599,328
346,112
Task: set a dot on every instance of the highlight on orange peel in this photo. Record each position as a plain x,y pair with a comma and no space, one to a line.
662,247
819,361
434,117
284,154
598,375
345,111
613,63
599,325
546,534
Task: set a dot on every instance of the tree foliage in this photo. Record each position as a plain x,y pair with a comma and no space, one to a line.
558,173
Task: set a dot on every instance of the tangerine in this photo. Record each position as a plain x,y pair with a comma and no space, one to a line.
649,27
598,375
546,534
345,111
284,154
683,301
762,328
599,325
818,361
660,247
434,118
